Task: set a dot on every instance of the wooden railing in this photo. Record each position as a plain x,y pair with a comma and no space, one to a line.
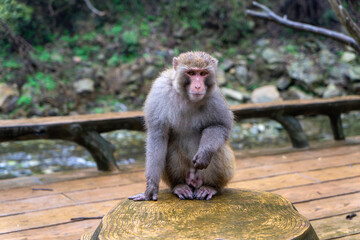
85,129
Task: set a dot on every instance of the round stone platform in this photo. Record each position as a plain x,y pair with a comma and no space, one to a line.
235,214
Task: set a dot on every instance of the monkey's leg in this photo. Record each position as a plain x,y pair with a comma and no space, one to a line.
204,193
183,191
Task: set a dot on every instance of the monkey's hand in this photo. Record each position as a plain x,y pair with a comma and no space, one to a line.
202,159
150,193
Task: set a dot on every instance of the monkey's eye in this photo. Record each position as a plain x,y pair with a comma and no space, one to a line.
191,73
203,73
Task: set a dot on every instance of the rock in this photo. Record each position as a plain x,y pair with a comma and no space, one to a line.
283,83
77,59
85,72
294,93
56,57
312,46
135,78
356,88
319,91
275,70
8,97
305,71
348,57
117,78
227,64
272,56
339,71
221,76
326,58
101,56
183,32
263,42
332,91
241,74
263,94
150,72
241,59
354,73
85,85
231,93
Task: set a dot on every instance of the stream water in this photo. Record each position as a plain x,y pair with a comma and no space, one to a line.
24,158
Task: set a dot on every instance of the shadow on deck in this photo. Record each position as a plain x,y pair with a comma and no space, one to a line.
323,182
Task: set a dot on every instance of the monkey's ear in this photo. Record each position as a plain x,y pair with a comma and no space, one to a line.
175,63
215,61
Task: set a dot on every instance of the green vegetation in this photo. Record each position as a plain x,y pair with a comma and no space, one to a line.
40,81
68,43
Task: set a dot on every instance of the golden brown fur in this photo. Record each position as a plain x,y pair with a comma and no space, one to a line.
217,174
196,59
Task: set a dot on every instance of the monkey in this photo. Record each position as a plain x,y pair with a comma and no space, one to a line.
188,123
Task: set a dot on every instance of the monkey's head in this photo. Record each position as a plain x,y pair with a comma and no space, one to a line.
195,74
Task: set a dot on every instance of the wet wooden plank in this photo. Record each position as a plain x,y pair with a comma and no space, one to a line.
50,178
321,190
19,182
73,185
298,166
246,160
334,173
298,179
98,182
68,231
271,183
337,226
34,204
303,177
54,216
329,206
110,193
350,237
92,178
23,193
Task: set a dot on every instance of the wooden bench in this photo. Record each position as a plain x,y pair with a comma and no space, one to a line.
85,129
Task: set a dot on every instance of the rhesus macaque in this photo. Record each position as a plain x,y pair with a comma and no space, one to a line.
188,127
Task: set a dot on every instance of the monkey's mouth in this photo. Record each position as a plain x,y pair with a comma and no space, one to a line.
197,94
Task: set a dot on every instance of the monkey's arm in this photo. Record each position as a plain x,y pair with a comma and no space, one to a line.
156,149
212,138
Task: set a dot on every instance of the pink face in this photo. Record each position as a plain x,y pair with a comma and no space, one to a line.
197,88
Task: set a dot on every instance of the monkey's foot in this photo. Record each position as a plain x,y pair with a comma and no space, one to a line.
142,197
138,197
204,192
183,191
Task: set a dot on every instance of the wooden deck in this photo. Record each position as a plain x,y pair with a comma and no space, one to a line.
323,182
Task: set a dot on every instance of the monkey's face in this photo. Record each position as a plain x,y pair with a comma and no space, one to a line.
197,83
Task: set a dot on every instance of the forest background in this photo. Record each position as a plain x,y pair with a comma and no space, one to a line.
73,57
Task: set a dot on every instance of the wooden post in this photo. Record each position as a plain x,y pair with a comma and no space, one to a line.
336,126
100,149
294,129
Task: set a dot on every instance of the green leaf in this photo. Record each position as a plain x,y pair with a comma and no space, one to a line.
11,63
24,100
114,60
130,37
